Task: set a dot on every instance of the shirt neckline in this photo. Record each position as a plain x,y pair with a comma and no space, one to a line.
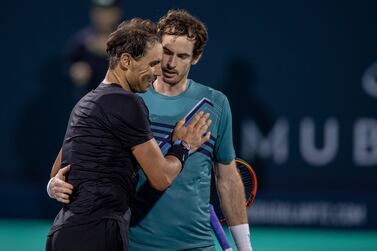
189,83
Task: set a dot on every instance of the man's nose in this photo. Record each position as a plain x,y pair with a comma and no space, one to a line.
172,63
157,70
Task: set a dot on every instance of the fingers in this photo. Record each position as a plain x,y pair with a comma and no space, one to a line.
60,190
203,127
61,194
180,123
62,198
63,172
59,184
193,132
179,130
197,120
206,137
203,120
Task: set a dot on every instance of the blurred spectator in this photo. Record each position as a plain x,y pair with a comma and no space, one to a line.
87,56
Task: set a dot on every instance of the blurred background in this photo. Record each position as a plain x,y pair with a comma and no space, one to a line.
301,77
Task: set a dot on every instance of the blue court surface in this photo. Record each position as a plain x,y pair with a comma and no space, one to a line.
30,235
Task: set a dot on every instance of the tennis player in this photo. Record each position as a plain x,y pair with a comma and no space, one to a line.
108,133
179,219
173,223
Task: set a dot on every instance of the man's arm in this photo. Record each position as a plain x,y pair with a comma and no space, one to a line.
232,200
231,193
57,188
162,170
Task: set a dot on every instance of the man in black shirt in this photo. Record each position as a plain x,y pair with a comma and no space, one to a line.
108,137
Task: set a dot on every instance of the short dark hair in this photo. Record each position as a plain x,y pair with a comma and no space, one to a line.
181,23
134,36
139,23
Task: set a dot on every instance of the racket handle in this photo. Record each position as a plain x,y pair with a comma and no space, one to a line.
219,231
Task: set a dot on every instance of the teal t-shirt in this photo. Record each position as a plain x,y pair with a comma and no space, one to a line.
180,219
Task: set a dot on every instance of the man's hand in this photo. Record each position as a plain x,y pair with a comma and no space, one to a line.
60,189
194,133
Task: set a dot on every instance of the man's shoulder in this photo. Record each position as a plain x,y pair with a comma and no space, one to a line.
207,91
113,90
114,96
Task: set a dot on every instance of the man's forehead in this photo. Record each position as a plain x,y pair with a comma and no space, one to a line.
155,53
178,42
176,38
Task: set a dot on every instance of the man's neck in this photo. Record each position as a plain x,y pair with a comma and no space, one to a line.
169,90
112,77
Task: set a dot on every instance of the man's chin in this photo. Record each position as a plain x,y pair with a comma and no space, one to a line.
169,81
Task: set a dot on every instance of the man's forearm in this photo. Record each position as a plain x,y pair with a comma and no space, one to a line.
232,197
233,205
57,164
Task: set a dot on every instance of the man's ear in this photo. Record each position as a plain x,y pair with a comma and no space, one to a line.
196,60
125,60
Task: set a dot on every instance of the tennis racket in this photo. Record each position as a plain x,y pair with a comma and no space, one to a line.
250,183
219,231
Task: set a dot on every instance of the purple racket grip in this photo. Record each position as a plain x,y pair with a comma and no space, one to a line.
218,230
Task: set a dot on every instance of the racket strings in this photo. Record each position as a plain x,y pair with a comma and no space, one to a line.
249,180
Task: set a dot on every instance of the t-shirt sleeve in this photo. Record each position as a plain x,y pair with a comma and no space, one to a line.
128,118
224,150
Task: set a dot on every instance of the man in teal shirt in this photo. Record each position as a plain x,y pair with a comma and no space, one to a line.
179,219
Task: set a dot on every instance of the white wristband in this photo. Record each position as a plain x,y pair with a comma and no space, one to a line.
48,190
241,236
